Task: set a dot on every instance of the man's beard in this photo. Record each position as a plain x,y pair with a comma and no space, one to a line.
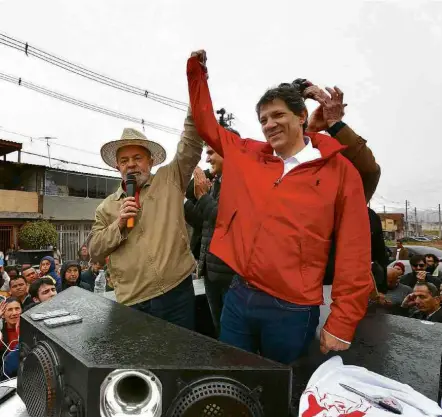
140,178
431,268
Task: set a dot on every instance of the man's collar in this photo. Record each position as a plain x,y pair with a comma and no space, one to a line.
306,154
121,192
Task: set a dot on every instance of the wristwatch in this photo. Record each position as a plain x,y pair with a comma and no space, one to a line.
332,131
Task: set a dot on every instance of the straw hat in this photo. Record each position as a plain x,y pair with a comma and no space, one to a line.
132,137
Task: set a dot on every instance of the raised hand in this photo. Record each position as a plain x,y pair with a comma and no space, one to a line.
331,108
202,58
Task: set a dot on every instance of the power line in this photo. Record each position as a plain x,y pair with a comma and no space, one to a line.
69,162
86,73
88,106
55,144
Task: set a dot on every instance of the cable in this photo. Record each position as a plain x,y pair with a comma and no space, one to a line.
86,73
88,106
4,353
54,143
69,162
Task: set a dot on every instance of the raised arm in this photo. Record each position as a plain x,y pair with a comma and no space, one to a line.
202,109
328,116
352,283
360,155
188,153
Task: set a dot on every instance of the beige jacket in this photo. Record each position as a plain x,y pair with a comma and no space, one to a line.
154,256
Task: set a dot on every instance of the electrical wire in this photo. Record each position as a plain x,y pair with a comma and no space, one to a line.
86,73
88,106
44,140
69,162
4,354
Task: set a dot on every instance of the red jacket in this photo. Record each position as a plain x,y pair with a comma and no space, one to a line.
276,233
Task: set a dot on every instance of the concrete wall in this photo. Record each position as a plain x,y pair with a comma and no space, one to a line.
69,208
18,201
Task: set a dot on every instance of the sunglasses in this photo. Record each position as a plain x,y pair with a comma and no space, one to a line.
420,265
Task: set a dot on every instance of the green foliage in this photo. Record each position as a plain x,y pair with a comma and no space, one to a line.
37,235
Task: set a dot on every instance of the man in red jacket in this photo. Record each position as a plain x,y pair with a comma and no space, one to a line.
284,199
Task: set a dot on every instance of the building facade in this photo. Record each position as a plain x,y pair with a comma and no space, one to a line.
393,225
67,199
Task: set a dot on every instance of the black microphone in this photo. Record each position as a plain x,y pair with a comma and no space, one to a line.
131,186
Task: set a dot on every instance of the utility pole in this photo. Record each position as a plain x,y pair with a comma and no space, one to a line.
440,225
384,210
416,226
47,139
406,218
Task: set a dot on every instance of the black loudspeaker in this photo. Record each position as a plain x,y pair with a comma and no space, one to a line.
122,360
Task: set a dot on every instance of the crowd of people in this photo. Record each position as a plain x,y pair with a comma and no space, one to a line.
273,222
21,289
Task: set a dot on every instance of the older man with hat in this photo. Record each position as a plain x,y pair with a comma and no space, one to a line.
151,263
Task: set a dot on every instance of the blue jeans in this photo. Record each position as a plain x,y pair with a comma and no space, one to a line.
176,306
215,293
255,321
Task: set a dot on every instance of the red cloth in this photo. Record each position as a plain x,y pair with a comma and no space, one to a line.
137,193
277,235
12,337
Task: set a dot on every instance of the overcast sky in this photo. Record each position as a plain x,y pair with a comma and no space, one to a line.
386,56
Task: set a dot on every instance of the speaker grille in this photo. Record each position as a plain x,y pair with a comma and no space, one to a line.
40,382
216,397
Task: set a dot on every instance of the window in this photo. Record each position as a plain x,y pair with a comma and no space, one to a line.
56,183
77,185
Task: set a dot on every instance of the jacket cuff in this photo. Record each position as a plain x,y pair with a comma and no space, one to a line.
333,130
340,330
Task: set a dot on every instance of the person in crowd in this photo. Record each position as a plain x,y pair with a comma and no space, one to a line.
20,290
30,274
400,267
10,311
41,290
4,280
71,276
424,302
47,267
432,262
89,276
192,218
280,203
401,251
10,255
151,263
84,257
12,272
397,292
57,255
217,275
419,273
57,266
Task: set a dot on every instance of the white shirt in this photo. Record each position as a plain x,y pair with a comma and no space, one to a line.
306,154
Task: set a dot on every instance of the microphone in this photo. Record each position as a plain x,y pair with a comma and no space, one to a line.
131,186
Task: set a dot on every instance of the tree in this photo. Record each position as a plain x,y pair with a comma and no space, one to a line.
37,235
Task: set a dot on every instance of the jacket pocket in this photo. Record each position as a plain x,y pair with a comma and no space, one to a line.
226,226
315,252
